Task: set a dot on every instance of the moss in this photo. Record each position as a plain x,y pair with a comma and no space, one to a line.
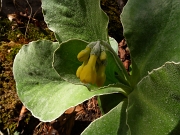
5,26
13,51
9,103
10,44
36,33
10,31
33,33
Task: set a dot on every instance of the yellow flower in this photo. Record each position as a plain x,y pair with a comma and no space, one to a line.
101,76
78,72
103,56
93,68
88,73
83,55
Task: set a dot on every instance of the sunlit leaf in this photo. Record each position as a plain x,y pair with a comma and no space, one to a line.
112,123
154,106
81,19
40,87
152,31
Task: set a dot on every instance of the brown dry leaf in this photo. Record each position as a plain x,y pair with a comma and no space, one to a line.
124,54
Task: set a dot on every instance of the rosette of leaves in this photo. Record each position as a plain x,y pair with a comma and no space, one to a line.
145,103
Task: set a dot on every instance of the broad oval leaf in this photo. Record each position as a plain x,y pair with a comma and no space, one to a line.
112,123
66,63
152,31
154,106
40,87
81,19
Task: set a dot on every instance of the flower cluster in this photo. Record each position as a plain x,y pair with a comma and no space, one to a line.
93,68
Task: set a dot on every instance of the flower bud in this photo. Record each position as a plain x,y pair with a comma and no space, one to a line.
102,56
93,68
78,72
101,76
83,55
88,73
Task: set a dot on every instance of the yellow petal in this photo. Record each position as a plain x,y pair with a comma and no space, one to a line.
88,74
101,76
78,72
83,55
103,56
92,60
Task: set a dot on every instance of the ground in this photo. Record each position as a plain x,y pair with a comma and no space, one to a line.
14,117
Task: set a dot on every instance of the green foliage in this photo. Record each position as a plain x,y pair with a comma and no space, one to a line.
157,102
45,71
77,19
114,121
152,34
38,76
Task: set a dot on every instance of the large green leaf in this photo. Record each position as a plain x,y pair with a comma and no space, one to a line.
66,63
152,30
112,123
154,106
40,87
82,19
107,102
